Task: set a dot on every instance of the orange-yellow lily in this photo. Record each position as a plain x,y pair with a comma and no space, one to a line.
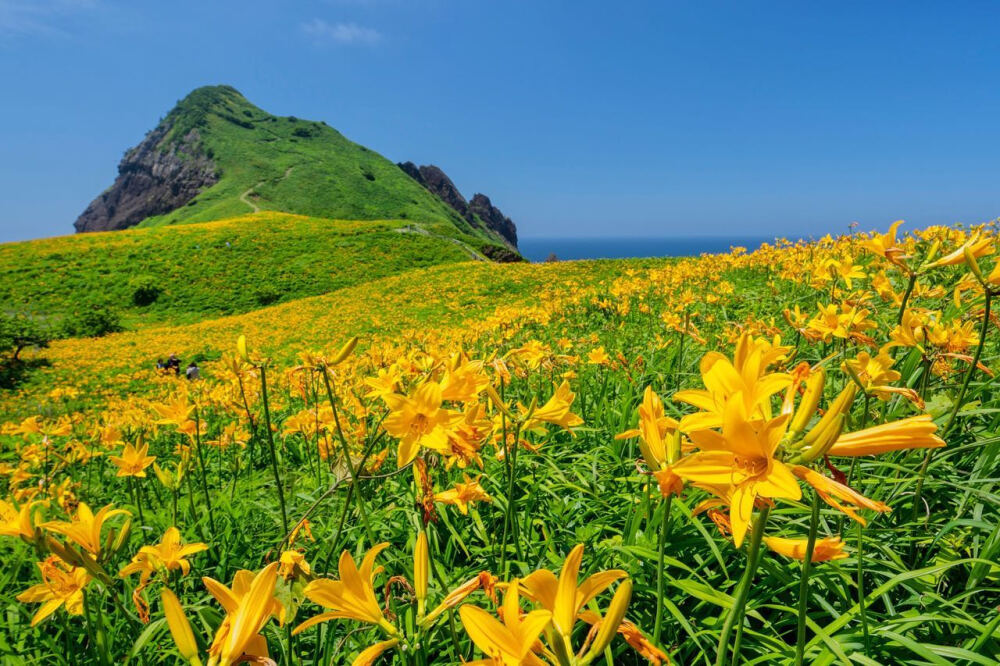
510,642
249,605
62,586
133,461
824,550
915,432
418,421
85,527
741,456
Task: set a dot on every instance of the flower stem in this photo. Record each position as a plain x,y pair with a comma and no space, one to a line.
906,297
274,455
738,609
204,474
347,459
660,579
800,635
510,523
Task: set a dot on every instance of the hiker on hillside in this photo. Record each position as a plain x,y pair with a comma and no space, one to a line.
193,371
161,366
174,363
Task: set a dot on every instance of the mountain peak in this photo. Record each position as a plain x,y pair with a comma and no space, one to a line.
216,155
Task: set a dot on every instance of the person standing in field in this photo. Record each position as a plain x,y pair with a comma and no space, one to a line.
193,371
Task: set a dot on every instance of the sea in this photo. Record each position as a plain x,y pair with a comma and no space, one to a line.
540,248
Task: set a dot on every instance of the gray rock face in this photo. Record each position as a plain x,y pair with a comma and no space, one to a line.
154,178
493,217
479,212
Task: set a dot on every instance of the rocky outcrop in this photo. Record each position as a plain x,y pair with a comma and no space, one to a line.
157,176
479,212
482,207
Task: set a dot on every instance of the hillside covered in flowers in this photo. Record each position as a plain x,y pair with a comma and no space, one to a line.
779,455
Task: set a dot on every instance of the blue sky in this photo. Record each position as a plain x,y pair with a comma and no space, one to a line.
577,118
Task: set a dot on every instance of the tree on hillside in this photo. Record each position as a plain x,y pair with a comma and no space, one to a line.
18,332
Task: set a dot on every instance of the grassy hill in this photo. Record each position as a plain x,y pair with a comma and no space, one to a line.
263,162
195,271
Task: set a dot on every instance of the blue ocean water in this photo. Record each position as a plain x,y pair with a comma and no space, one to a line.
538,248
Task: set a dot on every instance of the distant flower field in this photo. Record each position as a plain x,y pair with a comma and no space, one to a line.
780,456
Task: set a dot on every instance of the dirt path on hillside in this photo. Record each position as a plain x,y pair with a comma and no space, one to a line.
416,229
255,207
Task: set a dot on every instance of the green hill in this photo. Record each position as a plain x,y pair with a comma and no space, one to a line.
183,274
216,155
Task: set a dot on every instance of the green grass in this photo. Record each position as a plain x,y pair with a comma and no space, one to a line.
212,269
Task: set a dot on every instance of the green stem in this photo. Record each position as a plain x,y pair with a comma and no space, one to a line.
253,425
738,609
347,459
204,474
800,635
660,578
274,455
509,523
135,496
906,297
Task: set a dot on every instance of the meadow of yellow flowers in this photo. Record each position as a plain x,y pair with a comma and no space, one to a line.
788,455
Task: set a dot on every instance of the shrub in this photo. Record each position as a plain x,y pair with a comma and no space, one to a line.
145,290
18,332
93,321
266,295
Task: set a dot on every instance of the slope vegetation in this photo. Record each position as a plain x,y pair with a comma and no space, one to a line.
192,272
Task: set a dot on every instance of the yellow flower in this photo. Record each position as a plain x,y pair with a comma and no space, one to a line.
563,596
168,555
884,245
353,596
741,456
509,642
133,461
17,522
463,494
745,376
977,245
556,411
418,421
62,585
180,628
846,269
464,380
85,528
177,412
915,432
598,357
654,429
249,605
368,656
830,491
291,564
824,550
875,373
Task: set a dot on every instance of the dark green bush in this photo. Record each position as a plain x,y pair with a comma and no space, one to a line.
145,290
92,321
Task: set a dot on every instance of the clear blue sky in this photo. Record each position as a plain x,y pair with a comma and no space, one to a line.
577,118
